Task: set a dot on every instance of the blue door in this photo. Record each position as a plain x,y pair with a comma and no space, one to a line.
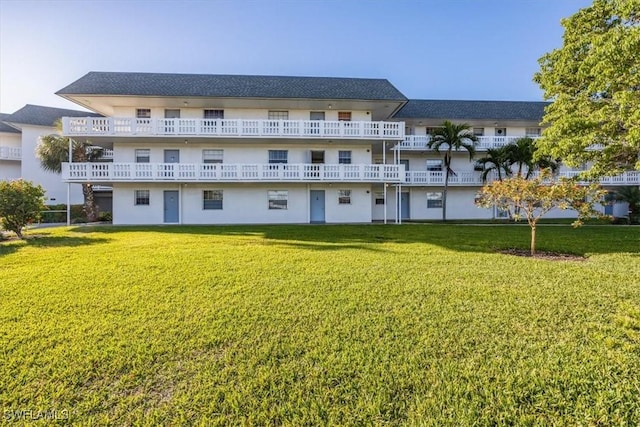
171,207
404,204
317,206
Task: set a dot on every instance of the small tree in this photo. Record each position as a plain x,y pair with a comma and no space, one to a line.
20,203
534,198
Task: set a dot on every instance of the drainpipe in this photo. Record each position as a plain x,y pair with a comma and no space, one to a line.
384,183
69,185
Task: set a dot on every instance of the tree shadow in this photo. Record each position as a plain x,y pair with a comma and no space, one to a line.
373,237
44,240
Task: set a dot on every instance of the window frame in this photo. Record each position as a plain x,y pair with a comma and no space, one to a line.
216,196
344,116
143,113
215,113
439,162
343,158
535,134
344,197
278,115
137,155
434,199
273,160
215,159
275,199
140,198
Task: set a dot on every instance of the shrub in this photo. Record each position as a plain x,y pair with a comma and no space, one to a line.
20,204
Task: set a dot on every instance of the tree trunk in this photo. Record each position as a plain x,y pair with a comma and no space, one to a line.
533,240
90,208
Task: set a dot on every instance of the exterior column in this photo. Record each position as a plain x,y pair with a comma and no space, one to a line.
384,183
69,184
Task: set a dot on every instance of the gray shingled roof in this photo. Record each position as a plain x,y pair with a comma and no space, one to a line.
232,86
43,116
467,110
5,127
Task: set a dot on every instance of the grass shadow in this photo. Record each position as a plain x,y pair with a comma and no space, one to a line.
462,238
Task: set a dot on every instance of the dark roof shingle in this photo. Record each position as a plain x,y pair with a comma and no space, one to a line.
232,86
43,116
5,127
468,110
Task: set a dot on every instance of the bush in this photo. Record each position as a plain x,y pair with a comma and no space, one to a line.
20,204
77,214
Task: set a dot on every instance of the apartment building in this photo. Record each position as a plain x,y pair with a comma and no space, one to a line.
228,149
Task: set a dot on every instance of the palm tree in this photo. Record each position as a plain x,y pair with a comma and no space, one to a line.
631,195
497,159
451,137
53,150
523,153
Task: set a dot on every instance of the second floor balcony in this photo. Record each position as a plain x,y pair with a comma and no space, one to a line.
10,153
223,172
231,128
421,142
474,178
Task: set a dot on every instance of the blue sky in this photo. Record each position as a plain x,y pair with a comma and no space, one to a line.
430,49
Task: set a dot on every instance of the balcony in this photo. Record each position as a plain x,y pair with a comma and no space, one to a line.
10,153
231,128
207,172
419,142
473,178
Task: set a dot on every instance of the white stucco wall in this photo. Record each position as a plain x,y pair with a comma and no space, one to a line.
235,152
242,204
244,113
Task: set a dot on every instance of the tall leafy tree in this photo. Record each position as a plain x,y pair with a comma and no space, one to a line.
53,150
446,139
594,83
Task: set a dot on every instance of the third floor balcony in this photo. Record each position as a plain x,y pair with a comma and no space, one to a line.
231,128
10,153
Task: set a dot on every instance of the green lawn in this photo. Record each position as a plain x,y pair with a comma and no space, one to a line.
419,324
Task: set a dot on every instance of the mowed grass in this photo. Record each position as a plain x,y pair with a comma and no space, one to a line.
321,325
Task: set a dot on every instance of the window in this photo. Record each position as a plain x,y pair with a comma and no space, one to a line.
214,114
434,165
379,198
502,213
143,113
344,116
478,131
278,199
278,115
316,115
143,155
344,157
344,197
431,130
434,200
532,132
172,113
142,197
501,131
212,199
278,156
212,156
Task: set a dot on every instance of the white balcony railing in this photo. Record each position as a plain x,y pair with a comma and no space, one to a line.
232,128
420,142
10,153
204,172
473,178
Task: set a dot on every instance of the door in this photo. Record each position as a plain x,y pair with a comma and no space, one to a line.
171,207
317,206
316,117
167,170
170,126
404,205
